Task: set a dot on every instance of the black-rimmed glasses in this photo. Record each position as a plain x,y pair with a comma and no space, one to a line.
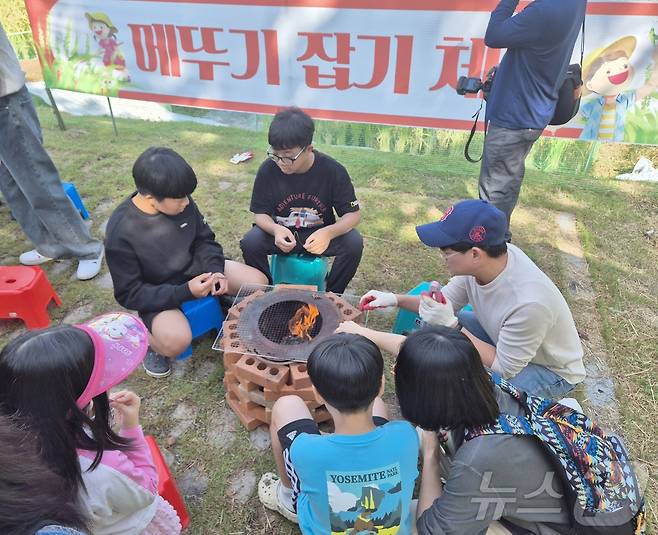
289,160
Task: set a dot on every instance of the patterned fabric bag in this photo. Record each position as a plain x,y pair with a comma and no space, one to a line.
600,486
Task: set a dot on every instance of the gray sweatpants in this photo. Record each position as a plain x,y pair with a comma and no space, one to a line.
31,186
503,166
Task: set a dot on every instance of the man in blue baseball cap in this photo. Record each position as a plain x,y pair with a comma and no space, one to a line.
520,322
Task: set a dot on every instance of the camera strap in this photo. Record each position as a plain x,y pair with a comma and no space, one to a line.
476,116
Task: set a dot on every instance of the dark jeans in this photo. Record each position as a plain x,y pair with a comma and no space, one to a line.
503,166
31,186
257,244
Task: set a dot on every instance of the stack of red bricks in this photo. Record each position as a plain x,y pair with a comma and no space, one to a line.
252,384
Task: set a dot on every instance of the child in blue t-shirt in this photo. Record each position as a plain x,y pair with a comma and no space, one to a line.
359,479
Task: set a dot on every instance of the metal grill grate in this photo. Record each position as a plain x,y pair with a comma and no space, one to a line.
264,314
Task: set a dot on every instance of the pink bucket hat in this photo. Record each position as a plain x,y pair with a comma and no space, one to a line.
120,343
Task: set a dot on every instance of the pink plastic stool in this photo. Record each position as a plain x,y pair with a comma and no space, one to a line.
166,484
25,293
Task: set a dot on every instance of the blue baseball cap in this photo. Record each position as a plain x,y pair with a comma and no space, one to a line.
473,221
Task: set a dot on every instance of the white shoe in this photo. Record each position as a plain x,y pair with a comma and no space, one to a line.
33,258
268,494
88,269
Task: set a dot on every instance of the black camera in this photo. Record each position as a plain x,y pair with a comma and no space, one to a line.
475,85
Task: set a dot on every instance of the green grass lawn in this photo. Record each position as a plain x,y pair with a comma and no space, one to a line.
211,454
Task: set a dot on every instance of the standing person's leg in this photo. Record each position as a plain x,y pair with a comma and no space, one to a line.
503,167
347,250
20,208
31,185
256,245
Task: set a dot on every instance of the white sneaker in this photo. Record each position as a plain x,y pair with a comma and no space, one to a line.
33,258
88,269
268,494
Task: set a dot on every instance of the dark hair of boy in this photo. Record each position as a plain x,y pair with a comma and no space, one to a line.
291,128
441,382
33,496
42,374
493,251
346,370
163,174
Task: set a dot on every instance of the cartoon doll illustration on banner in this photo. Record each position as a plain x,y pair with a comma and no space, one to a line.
104,33
607,74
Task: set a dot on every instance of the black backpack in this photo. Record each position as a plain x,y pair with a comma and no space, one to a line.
599,483
568,97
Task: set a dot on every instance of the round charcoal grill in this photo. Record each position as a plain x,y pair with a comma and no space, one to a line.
263,324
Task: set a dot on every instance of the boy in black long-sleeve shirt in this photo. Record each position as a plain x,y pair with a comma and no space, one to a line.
161,253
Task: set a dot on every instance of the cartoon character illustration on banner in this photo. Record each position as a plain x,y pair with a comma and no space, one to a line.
608,76
104,33
70,60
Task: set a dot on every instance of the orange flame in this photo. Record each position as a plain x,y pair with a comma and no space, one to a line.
302,322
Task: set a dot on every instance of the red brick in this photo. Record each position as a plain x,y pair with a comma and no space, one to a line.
234,311
251,297
321,414
307,393
262,373
348,312
254,395
240,393
312,404
307,287
299,375
233,346
260,413
230,330
247,419
230,360
229,378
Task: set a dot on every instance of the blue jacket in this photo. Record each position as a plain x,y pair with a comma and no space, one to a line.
539,41
592,109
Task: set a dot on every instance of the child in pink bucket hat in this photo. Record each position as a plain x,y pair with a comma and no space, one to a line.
55,382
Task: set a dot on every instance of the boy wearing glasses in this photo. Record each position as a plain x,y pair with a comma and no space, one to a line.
296,192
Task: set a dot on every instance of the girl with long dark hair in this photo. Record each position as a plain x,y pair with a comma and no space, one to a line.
499,483
55,383
33,498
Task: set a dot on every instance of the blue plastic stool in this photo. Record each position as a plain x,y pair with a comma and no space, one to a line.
72,192
407,321
203,315
300,269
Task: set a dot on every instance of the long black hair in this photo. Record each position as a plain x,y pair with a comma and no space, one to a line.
31,494
42,374
441,382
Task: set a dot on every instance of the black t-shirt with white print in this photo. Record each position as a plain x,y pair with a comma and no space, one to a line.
304,201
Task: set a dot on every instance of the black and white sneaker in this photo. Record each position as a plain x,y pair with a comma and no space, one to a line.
156,365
